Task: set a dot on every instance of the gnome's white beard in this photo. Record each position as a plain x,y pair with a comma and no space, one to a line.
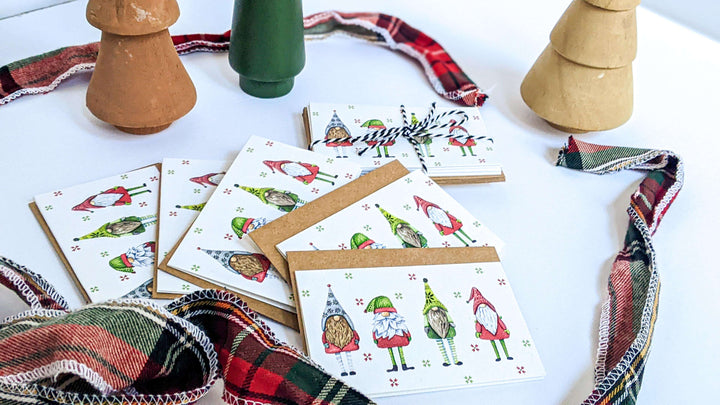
439,217
295,170
142,255
105,199
389,326
487,318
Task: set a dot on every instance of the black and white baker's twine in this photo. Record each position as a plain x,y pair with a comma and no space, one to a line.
408,131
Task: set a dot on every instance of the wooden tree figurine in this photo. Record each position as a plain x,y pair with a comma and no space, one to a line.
583,79
139,84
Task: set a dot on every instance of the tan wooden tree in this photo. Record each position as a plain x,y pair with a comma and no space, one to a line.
139,84
583,79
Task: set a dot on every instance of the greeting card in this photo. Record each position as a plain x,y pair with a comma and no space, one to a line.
105,232
453,143
267,180
185,187
412,212
391,322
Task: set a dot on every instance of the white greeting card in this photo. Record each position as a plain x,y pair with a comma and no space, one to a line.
410,329
412,212
106,229
266,180
185,187
451,156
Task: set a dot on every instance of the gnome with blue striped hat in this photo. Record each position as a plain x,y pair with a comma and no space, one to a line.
339,335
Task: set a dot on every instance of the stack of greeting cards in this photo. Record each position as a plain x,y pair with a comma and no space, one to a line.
450,156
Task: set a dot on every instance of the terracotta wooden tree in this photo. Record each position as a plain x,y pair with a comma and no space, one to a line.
139,84
583,79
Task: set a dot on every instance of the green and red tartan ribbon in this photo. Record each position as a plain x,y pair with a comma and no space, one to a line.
136,352
628,317
43,73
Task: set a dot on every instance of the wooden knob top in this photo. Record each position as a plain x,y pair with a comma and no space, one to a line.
132,17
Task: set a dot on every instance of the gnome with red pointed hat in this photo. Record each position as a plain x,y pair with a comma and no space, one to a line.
112,197
303,172
459,131
446,223
210,179
488,324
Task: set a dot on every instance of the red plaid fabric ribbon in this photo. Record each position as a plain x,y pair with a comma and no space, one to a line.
43,73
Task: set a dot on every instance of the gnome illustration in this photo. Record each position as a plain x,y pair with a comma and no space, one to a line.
339,335
242,226
488,324
122,227
304,172
139,256
210,179
459,131
360,241
339,134
111,197
283,200
252,266
141,291
192,207
374,125
446,223
389,329
409,236
439,326
423,139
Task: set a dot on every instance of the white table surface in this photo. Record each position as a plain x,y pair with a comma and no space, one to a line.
562,228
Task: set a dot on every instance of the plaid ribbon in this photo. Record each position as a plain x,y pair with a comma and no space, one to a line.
628,317
43,73
136,352
409,131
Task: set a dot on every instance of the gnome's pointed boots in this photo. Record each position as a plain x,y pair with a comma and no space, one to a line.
461,239
387,154
378,151
507,356
471,152
402,360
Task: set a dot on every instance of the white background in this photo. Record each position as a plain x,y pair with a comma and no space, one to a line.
562,228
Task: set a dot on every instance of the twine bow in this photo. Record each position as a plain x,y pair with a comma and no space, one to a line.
411,132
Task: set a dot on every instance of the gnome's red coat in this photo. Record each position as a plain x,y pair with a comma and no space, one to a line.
341,143
307,179
86,205
352,346
395,341
499,334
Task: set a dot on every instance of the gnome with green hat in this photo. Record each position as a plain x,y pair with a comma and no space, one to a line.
409,236
439,326
139,256
339,335
389,329
192,207
242,226
283,200
374,125
124,226
360,241
423,139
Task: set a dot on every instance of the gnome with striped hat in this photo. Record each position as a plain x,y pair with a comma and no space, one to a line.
303,172
242,226
409,236
360,241
374,125
252,266
439,326
339,335
389,329
338,134
139,256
